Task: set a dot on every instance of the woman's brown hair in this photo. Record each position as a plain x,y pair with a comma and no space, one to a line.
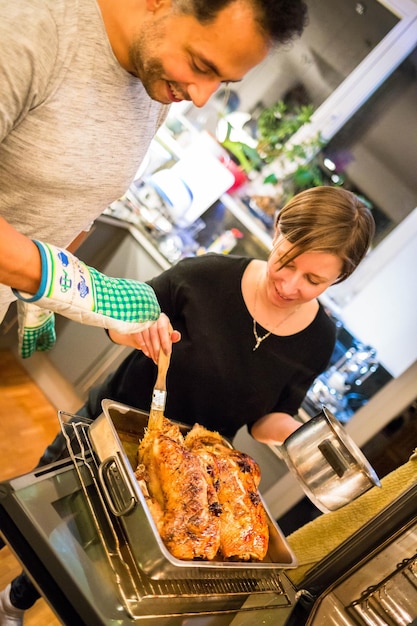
327,219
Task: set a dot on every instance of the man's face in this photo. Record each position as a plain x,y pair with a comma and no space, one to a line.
177,58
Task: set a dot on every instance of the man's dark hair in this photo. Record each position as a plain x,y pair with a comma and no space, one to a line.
280,20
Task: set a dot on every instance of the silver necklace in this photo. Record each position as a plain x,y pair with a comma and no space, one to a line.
259,339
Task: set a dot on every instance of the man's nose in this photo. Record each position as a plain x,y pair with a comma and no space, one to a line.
200,91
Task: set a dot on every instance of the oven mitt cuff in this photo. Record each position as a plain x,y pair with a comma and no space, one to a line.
36,332
81,293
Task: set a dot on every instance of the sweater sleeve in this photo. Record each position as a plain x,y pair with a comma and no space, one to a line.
28,50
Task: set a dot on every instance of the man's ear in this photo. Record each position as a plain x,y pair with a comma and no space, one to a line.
155,5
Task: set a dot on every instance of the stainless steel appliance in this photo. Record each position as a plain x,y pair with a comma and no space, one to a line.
371,580
55,522
84,533
108,447
328,464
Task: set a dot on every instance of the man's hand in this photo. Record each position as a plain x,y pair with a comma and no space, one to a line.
83,294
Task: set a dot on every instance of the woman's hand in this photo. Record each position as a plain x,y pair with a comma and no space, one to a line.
151,340
274,428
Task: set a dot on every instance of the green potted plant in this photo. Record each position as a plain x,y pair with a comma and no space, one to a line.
299,164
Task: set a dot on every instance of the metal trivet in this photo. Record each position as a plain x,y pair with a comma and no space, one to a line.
141,595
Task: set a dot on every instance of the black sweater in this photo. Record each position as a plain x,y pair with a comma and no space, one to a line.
214,377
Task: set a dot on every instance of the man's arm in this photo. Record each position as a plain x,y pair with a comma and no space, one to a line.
56,280
20,262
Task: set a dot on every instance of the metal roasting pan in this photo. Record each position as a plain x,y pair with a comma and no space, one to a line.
114,437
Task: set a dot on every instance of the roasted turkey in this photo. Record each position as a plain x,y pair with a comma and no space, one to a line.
244,531
183,503
203,495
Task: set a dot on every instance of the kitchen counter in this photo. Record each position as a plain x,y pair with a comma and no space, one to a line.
167,243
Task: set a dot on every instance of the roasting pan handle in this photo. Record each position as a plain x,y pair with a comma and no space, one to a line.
116,485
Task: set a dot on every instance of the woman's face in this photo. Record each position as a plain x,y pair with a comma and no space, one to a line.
303,279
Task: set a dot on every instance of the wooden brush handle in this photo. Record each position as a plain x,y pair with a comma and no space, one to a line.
156,414
163,364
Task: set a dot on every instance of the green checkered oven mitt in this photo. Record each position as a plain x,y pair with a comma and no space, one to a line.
36,331
81,293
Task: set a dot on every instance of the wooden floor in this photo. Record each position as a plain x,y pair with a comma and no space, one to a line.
28,423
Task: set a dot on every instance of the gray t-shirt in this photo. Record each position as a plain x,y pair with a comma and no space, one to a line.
74,125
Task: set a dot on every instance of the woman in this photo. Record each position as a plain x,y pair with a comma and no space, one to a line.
251,335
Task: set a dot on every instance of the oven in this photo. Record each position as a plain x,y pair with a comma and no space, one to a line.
82,531
370,579
58,524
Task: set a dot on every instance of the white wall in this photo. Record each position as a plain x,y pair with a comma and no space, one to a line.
382,309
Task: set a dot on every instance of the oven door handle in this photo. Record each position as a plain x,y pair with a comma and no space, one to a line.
116,486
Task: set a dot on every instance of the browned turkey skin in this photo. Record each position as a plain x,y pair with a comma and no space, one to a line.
244,532
182,501
203,495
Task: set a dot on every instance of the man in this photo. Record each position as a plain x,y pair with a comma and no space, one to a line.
84,86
